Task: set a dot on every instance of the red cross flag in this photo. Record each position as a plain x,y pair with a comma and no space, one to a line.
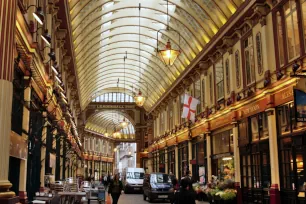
189,109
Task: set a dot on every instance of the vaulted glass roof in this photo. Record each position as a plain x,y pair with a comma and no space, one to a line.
108,121
104,30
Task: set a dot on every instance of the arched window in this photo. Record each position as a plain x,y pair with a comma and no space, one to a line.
259,53
228,89
237,67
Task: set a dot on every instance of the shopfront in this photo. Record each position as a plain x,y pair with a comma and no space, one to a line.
183,163
255,158
222,154
199,163
161,163
171,160
155,162
292,153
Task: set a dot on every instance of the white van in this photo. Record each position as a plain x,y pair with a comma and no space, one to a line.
133,179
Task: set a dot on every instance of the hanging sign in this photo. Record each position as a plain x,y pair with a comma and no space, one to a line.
300,100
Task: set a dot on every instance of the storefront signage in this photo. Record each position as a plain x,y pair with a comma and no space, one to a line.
19,146
300,105
218,156
162,145
171,141
111,106
222,121
283,96
183,137
253,108
198,130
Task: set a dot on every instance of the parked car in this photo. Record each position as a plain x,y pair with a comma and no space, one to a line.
158,186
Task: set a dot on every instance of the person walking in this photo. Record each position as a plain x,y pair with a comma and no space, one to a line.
174,181
115,188
184,195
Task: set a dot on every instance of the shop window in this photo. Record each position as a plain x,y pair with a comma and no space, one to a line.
259,127
183,159
249,60
222,142
161,161
286,119
219,73
292,30
197,95
171,160
259,53
303,6
237,69
227,74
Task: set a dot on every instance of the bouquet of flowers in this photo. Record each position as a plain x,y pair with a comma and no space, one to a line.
228,194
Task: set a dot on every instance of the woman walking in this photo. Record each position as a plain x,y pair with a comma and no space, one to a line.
115,188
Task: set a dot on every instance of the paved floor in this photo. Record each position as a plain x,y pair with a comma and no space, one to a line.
138,199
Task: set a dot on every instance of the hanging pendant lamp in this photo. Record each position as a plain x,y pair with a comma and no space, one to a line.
124,123
139,98
168,55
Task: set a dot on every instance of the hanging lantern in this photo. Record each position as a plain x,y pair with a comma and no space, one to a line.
106,134
168,55
139,99
124,123
117,134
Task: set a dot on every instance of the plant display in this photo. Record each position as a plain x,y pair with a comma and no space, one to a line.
221,190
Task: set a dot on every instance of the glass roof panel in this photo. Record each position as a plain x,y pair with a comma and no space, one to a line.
103,30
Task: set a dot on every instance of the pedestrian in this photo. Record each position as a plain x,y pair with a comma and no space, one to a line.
115,188
188,178
174,181
184,196
105,183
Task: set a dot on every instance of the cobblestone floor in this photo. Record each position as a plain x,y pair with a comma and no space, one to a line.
138,199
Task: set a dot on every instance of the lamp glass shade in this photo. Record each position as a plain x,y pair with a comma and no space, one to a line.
106,134
124,123
39,16
139,99
168,55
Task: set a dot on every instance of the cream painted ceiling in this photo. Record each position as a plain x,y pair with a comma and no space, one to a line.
103,30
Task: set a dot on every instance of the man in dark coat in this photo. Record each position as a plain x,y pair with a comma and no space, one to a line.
184,196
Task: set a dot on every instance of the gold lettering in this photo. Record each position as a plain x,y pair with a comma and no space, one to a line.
251,109
287,94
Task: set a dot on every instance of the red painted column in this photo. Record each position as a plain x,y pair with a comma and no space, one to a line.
7,46
239,193
274,194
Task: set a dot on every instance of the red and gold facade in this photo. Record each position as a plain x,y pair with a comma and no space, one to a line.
245,121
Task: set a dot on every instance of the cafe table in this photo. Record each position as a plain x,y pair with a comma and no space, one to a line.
71,196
